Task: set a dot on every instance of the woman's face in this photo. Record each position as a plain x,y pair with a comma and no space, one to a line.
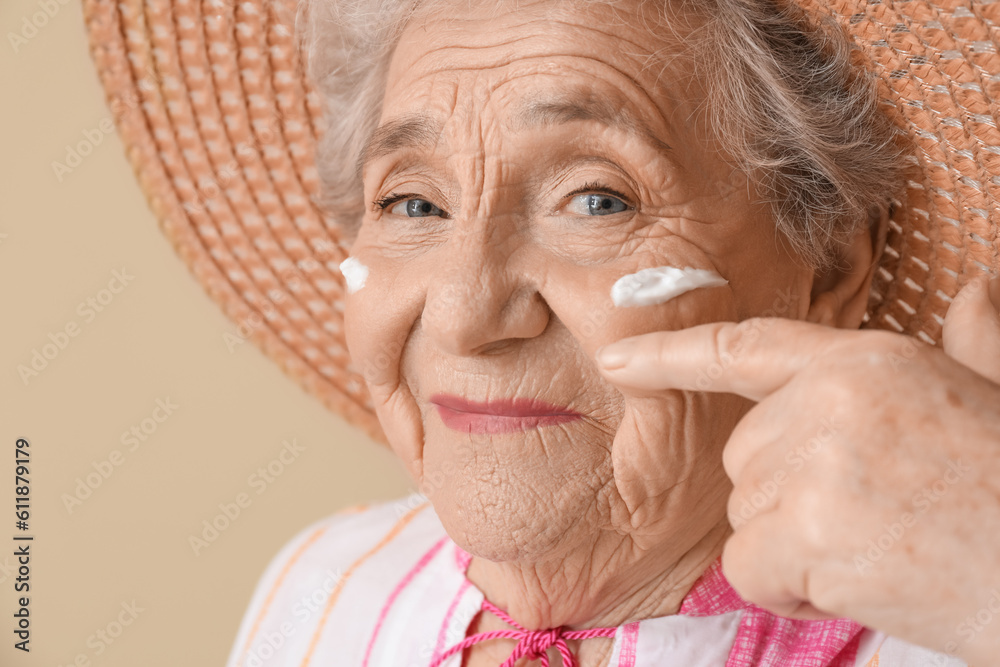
525,161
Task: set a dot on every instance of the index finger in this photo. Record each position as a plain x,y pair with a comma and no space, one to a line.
753,358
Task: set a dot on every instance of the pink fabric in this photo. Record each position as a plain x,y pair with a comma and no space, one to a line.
532,644
766,639
462,559
630,637
762,638
377,549
447,619
421,564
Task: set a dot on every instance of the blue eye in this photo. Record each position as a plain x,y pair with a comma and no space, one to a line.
416,208
597,204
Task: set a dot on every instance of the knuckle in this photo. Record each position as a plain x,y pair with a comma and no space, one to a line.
731,340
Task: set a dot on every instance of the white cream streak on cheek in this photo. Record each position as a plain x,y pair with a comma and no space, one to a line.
661,284
355,274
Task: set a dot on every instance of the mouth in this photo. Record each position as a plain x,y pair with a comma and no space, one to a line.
505,415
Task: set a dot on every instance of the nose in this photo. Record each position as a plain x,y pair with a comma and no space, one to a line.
481,298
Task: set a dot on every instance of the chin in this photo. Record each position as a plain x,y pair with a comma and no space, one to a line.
508,522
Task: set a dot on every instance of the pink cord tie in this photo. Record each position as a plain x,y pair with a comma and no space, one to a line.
532,644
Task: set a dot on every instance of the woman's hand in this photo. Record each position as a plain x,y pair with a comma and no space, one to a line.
867,477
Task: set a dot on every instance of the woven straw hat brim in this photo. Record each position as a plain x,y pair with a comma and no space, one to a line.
220,125
940,75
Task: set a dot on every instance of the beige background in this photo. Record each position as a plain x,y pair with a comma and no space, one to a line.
160,337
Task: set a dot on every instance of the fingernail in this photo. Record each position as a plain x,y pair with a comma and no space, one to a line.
614,356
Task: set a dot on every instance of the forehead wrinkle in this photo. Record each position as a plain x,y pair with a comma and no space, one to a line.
539,112
412,130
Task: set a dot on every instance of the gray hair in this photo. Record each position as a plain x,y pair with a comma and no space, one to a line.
798,112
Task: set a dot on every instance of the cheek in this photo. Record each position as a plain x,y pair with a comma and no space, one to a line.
765,279
379,315
378,319
581,297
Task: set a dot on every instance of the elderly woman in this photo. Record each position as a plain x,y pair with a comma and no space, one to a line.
527,183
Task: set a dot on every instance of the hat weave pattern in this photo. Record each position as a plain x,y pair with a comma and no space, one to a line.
939,71
220,125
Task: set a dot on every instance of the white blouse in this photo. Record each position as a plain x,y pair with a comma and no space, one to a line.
384,586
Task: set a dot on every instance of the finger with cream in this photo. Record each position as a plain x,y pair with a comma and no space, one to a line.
661,284
355,274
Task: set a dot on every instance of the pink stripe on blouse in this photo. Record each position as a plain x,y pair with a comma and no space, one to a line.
630,637
403,583
764,638
439,646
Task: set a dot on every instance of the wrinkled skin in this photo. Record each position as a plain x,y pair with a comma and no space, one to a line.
879,501
504,291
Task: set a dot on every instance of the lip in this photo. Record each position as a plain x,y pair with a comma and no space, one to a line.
504,415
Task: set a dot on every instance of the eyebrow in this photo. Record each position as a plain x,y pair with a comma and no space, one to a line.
409,131
420,130
584,107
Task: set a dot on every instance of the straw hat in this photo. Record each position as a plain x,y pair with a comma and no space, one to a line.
220,124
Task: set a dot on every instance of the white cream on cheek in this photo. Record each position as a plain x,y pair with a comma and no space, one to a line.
355,274
661,284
